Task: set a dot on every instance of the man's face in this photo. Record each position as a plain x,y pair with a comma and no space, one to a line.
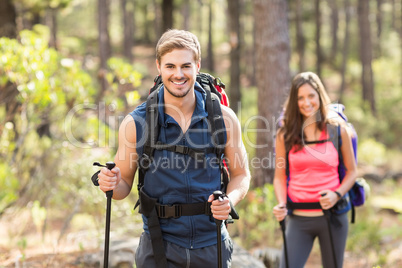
178,70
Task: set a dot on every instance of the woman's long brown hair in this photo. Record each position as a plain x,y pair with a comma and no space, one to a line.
293,119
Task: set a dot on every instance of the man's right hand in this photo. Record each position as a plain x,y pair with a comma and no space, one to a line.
280,211
109,179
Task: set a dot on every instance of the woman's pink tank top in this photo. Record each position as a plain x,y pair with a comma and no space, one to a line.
313,169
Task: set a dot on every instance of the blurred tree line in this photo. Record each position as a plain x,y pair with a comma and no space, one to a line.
64,59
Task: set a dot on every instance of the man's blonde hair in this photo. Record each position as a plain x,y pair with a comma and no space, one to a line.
178,39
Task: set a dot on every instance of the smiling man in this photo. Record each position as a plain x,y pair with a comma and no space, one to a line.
177,202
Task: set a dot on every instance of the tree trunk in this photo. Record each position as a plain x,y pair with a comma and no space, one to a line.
8,25
9,98
199,21
51,22
393,15
186,14
334,28
379,19
366,54
345,51
127,10
272,71
33,18
147,24
210,57
9,92
400,35
318,50
104,42
158,20
167,15
235,52
300,40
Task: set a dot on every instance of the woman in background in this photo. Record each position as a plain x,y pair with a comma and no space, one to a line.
306,172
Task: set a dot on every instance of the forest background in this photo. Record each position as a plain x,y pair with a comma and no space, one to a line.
70,70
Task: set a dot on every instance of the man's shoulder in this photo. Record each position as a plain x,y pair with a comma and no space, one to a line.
228,114
139,111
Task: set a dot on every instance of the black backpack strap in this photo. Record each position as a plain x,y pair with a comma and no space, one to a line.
148,209
152,132
197,154
336,139
215,119
178,210
316,142
218,131
287,165
152,117
210,110
334,136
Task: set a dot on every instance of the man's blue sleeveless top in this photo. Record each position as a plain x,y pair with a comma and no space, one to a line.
175,178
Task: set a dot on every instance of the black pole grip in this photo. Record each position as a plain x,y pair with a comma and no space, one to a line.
217,194
110,166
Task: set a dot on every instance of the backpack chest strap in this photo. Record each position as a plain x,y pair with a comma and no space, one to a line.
197,154
149,204
178,210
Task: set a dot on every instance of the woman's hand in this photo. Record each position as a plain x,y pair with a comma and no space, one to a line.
328,199
280,211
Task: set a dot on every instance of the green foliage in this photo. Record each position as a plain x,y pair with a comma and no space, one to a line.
365,234
372,152
55,90
257,224
22,246
386,125
40,5
247,117
9,185
43,77
389,198
38,215
123,72
48,85
123,79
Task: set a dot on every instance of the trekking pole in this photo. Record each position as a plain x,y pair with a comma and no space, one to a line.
285,247
218,195
327,215
109,194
